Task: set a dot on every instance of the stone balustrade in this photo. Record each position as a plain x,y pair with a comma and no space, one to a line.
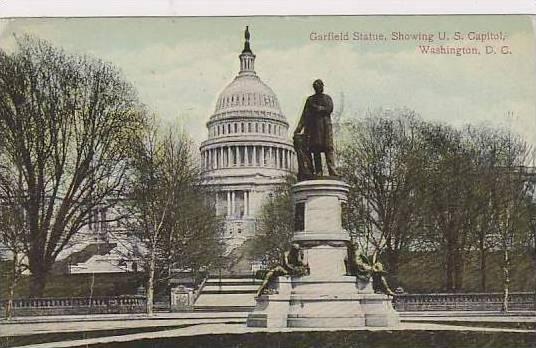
76,305
518,301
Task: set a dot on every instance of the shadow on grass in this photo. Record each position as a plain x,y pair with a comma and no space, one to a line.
14,341
342,339
521,325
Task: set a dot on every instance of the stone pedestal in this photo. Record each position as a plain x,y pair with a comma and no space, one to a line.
181,298
327,297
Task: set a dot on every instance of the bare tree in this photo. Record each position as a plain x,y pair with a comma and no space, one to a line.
449,182
531,220
13,231
511,201
195,236
426,186
380,160
168,209
488,152
68,124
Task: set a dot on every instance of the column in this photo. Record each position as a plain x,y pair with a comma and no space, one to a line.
246,203
246,156
209,159
228,203
254,155
270,157
287,157
291,160
233,198
276,157
222,164
229,157
213,158
262,157
237,155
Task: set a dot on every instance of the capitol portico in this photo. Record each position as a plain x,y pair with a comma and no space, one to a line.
248,152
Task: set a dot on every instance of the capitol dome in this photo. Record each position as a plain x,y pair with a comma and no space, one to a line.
248,92
247,96
247,154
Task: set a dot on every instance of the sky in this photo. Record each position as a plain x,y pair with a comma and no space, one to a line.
180,65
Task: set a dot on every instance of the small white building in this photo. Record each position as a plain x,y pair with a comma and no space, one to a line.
248,152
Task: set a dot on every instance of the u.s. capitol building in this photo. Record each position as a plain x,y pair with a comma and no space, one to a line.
248,152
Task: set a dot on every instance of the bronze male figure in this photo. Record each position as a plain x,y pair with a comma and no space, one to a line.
315,122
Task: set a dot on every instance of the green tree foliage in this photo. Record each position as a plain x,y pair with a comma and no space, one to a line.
275,226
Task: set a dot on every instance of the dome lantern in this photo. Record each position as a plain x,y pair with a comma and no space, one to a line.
247,58
247,96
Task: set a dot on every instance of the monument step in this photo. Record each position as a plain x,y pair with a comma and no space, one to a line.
228,293
233,288
229,284
228,281
237,276
224,309
225,292
225,300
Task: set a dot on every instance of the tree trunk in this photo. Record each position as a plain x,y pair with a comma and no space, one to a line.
39,272
392,266
482,266
449,271
37,282
506,284
534,247
150,283
459,269
11,294
91,287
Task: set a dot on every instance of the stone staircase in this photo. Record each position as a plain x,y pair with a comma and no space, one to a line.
230,293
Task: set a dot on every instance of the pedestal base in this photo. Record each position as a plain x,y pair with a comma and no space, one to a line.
328,303
327,297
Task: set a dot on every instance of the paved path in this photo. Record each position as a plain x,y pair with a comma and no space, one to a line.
469,314
497,319
473,316
204,329
22,326
78,326
114,317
